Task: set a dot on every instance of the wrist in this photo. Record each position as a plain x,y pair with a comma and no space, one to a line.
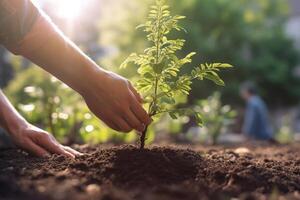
14,125
10,119
94,77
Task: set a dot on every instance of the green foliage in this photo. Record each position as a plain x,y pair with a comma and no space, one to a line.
249,34
285,134
216,117
161,76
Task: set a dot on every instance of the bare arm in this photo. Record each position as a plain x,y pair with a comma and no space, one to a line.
109,96
10,119
27,136
28,32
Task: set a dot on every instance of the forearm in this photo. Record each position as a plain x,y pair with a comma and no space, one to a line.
30,33
109,96
10,119
60,57
66,62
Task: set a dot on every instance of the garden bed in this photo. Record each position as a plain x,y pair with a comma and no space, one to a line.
121,173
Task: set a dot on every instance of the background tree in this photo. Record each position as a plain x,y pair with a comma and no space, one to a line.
249,34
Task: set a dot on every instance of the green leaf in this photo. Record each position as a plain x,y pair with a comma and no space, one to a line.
168,100
173,115
148,75
215,78
198,118
222,65
145,69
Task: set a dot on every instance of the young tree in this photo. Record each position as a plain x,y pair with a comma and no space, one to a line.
160,70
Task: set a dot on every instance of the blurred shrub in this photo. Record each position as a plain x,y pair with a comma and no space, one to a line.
251,36
216,118
285,133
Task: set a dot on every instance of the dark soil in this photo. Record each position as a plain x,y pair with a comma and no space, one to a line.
128,173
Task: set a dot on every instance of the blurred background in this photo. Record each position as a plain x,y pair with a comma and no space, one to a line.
261,38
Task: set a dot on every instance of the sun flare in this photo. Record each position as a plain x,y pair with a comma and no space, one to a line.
69,9
66,9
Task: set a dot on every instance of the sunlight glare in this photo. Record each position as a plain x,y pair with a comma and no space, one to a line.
68,9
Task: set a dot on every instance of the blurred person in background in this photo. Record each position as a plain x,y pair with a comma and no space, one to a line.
27,31
256,121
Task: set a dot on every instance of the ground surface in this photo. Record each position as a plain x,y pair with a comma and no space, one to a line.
126,173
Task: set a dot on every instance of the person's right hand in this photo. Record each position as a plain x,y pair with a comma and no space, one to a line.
113,99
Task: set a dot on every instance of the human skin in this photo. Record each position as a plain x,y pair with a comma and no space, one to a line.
109,96
27,136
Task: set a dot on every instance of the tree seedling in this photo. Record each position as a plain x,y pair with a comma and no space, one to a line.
160,69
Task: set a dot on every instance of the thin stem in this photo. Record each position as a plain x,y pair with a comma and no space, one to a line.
158,36
143,138
152,108
144,133
157,57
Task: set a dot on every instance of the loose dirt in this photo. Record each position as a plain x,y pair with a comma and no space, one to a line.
157,173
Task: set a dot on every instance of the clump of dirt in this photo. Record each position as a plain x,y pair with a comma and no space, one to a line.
130,167
126,172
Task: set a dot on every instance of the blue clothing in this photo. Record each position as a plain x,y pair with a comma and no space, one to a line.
256,123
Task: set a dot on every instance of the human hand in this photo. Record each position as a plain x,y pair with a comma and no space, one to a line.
113,99
40,143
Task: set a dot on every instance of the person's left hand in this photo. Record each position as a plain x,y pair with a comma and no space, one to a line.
40,143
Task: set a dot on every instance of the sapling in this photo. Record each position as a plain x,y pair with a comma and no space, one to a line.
160,69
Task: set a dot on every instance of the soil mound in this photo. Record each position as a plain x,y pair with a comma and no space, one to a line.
130,166
128,173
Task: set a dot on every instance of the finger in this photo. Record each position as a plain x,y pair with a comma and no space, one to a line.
111,124
132,120
54,147
140,113
106,118
123,126
72,151
136,94
36,150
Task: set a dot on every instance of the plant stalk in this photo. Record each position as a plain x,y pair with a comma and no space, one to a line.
143,138
153,104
